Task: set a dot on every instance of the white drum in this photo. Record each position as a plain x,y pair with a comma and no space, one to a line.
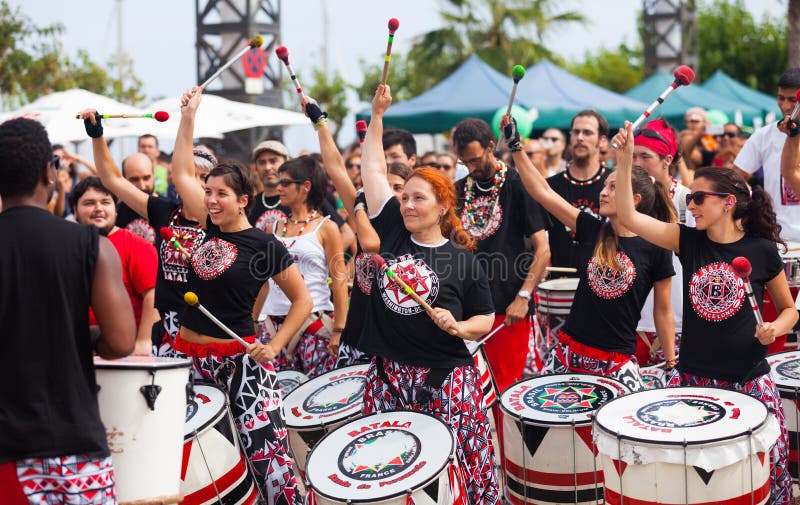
288,380
486,376
554,303
320,405
388,458
142,405
685,445
786,372
214,468
654,377
548,452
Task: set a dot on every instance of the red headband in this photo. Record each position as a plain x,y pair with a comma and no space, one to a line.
657,137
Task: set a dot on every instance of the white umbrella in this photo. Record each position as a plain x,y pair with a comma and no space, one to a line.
218,115
57,112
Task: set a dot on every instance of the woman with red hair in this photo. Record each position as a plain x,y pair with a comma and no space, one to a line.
420,360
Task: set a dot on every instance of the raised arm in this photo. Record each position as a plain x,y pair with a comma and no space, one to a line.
790,156
534,182
373,161
107,169
187,185
666,235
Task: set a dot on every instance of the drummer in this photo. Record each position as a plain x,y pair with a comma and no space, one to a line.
421,362
599,336
721,344
228,271
51,271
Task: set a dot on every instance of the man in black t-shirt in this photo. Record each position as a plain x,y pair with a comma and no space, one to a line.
51,271
138,170
579,184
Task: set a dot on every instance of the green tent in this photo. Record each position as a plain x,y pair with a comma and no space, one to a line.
724,85
688,96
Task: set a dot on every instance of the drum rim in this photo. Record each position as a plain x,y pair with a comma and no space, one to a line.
332,421
539,286
543,424
213,420
156,365
662,443
435,476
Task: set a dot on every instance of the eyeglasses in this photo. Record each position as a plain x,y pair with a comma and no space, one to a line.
551,139
288,182
700,196
652,134
351,165
476,160
730,135
56,161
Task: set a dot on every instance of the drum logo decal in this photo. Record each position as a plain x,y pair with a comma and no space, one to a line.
267,220
680,413
567,397
608,283
336,395
141,228
485,212
716,292
173,261
213,258
790,369
287,385
418,276
379,454
365,271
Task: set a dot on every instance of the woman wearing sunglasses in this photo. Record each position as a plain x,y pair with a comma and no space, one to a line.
721,345
599,336
228,273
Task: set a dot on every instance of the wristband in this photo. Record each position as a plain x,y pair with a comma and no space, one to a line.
337,330
359,206
94,130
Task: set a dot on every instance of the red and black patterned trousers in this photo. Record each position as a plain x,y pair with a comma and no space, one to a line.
73,480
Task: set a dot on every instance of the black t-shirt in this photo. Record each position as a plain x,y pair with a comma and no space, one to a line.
228,270
267,210
48,393
172,265
129,220
502,233
397,327
719,327
608,304
565,251
362,287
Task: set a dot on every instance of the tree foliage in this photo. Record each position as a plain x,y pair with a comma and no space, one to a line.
331,94
33,64
618,70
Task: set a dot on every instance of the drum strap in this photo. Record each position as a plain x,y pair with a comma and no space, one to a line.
424,392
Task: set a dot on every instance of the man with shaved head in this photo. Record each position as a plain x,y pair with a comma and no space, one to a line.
138,170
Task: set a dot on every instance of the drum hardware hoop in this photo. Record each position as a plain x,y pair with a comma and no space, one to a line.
151,391
685,474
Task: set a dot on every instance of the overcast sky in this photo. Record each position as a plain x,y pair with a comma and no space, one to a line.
160,34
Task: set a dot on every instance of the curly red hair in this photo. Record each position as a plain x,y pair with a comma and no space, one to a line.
445,193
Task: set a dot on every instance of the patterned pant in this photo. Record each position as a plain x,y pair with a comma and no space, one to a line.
350,356
311,354
164,336
570,356
762,388
255,400
458,402
74,480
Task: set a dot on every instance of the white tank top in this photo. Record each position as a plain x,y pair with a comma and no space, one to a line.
309,256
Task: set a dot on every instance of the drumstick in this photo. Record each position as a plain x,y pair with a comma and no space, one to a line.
283,55
683,76
159,116
169,235
491,333
254,43
743,268
394,24
566,270
517,73
380,264
191,299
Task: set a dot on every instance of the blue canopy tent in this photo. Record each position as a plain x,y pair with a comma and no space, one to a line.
724,85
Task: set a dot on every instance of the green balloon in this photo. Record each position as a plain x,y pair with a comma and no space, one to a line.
524,123
717,117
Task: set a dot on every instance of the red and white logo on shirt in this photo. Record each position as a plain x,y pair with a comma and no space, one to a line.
365,271
608,283
213,258
267,220
141,228
716,292
416,274
173,262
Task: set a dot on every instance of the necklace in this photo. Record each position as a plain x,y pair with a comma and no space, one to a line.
587,182
305,222
264,202
500,172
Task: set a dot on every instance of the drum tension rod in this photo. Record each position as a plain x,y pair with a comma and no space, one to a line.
151,391
190,389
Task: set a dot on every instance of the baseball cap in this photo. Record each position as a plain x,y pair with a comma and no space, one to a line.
271,145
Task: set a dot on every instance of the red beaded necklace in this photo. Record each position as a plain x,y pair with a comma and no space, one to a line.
500,173
300,232
587,182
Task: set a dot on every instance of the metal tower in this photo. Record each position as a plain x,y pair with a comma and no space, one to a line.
669,33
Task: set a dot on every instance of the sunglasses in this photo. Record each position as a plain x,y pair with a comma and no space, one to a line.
551,139
730,135
288,182
652,134
351,165
700,196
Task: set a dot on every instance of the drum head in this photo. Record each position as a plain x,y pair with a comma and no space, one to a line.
289,380
786,370
565,284
141,363
204,410
330,398
553,400
380,456
670,416
653,377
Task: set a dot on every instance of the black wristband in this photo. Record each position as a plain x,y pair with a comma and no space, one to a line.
793,127
314,113
94,130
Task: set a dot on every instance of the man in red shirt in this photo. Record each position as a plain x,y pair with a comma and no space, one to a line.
93,204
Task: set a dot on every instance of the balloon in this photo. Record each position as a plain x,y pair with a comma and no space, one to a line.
524,123
717,117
